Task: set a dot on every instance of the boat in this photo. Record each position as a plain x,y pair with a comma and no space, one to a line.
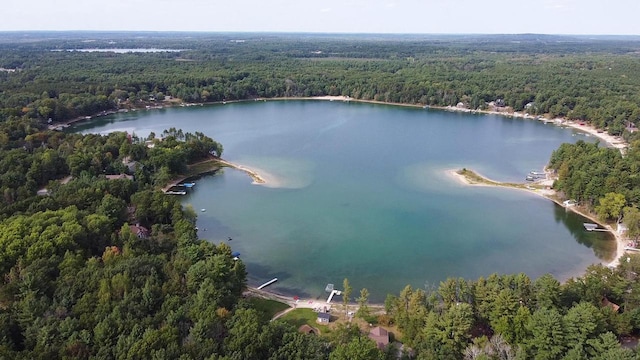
188,185
203,210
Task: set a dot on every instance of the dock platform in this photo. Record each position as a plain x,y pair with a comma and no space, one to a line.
333,292
267,283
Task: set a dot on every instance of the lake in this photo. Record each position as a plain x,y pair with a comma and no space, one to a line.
360,191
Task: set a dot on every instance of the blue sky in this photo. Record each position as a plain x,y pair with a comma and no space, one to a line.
612,17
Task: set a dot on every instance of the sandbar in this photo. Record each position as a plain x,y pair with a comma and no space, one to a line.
259,176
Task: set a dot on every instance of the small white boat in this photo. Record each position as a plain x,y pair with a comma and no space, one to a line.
203,210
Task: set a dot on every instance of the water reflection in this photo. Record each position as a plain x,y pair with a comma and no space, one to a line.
602,243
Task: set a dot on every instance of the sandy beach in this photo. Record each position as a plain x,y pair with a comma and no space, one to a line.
612,141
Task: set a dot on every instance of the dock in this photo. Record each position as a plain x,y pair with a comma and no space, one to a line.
267,283
593,227
333,292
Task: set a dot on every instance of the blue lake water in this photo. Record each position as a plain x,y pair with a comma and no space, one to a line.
360,191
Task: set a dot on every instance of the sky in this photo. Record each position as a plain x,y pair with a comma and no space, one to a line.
579,17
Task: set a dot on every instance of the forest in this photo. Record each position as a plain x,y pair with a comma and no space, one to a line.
98,267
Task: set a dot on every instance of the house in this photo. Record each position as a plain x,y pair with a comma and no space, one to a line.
323,318
140,231
380,336
131,165
120,177
622,228
609,304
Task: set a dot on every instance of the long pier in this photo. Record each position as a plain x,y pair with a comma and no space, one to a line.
267,283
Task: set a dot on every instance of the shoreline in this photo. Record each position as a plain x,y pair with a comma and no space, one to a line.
258,179
549,195
582,126
612,141
306,303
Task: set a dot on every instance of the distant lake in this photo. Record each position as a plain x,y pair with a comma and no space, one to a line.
123,51
362,193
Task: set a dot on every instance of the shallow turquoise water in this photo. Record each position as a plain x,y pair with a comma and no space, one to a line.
363,193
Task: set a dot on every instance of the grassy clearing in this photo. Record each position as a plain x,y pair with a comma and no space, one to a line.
299,317
268,307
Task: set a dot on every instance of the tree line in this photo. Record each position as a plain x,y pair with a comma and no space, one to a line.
593,81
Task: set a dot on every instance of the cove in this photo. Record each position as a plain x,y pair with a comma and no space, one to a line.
360,191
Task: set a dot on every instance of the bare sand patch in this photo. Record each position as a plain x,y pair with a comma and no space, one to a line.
259,176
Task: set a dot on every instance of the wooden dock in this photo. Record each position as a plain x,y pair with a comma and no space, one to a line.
593,227
267,283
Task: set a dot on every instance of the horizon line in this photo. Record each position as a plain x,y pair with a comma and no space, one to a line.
276,32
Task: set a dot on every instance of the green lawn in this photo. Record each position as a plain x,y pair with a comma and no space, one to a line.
299,317
268,307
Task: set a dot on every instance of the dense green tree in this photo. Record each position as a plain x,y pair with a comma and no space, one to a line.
363,304
632,222
346,295
548,334
547,292
610,206
359,348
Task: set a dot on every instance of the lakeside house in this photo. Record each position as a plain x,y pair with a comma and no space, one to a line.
609,304
621,229
323,318
140,231
131,165
380,336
